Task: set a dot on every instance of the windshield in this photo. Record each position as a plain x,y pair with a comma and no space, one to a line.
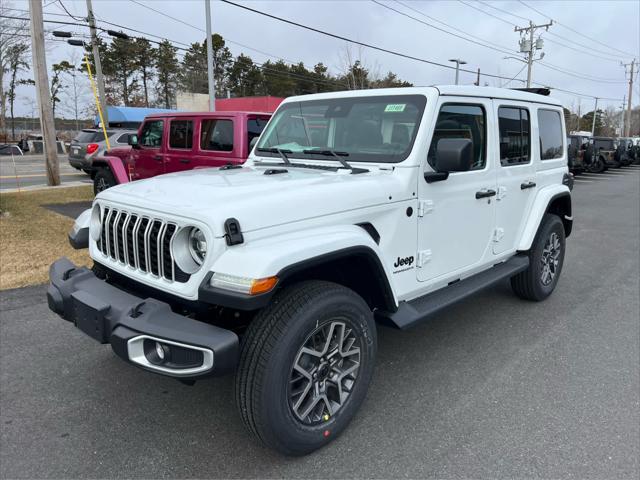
367,129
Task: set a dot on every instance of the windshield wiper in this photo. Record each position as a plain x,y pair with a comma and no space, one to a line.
338,156
279,151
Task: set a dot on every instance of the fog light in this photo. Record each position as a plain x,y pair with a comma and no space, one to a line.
160,351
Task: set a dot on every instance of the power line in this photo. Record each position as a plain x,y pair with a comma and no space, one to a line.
512,24
575,74
355,42
501,50
203,31
576,31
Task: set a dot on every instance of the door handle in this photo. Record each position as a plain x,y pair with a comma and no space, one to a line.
158,157
524,186
184,160
485,193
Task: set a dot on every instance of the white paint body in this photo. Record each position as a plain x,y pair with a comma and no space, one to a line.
304,213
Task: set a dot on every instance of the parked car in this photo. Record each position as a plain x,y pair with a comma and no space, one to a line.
90,143
354,208
626,151
10,149
580,153
605,153
171,142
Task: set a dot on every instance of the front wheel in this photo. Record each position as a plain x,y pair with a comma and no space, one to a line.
597,165
102,180
306,363
546,258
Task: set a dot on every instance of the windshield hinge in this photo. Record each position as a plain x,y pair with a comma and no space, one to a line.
425,207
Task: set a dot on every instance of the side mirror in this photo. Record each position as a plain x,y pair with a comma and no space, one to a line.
133,140
253,142
452,155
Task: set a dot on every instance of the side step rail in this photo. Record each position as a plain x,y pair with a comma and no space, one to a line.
415,311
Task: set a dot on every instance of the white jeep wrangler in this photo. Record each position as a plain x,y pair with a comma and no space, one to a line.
354,208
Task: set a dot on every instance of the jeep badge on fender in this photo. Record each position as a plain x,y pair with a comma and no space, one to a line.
278,269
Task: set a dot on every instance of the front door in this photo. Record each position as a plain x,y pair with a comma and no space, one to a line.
516,174
148,158
456,217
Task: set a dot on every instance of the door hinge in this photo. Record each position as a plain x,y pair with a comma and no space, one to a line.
423,257
502,192
424,207
498,233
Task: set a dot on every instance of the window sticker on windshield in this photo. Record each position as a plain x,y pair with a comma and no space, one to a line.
395,107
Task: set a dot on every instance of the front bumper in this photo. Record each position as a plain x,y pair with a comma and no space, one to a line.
129,323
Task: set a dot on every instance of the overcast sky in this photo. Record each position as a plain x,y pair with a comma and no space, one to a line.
615,24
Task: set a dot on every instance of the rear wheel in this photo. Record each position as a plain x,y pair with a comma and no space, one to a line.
305,367
102,180
546,258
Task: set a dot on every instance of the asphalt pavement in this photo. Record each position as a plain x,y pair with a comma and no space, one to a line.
495,387
28,171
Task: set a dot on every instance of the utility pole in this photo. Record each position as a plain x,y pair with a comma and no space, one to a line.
96,60
529,46
593,123
458,62
627,131
44,96
623,113
210,66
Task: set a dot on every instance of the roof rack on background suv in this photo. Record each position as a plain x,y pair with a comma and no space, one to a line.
539,90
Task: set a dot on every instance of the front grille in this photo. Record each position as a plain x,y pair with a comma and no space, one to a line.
140,242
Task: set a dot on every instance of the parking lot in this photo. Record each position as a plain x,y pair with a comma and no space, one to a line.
29,171
496,387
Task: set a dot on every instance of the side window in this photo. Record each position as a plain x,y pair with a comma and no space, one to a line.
550,128
457,120
216,135
515,131
151,134
254,128
181,134
124,138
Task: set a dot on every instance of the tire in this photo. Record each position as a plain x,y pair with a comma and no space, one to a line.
102,180
298,316
539,280
597,166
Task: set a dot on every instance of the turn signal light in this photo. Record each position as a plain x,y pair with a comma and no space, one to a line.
92,147
248,286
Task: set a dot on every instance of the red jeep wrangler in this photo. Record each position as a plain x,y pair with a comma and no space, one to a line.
170,142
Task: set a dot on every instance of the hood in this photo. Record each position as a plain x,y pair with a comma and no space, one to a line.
258,200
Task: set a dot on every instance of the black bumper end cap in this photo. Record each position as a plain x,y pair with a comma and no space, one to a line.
54,299
79,239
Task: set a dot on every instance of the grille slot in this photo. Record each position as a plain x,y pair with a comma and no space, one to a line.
141,243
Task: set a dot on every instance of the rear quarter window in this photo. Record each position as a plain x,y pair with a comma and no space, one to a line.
550,130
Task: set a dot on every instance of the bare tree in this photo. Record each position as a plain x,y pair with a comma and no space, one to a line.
12,32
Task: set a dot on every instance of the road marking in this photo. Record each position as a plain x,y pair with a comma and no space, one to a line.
7,177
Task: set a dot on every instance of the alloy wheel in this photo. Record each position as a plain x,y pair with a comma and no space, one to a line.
550,259
324,372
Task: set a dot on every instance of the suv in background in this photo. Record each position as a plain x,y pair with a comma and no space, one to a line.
354,208
580,153
171,142
605,153
90,142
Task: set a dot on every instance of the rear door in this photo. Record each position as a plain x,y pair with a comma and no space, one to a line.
148,157
516,173
218,142
179,152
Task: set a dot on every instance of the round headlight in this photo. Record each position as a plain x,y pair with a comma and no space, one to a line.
197,245
95,224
